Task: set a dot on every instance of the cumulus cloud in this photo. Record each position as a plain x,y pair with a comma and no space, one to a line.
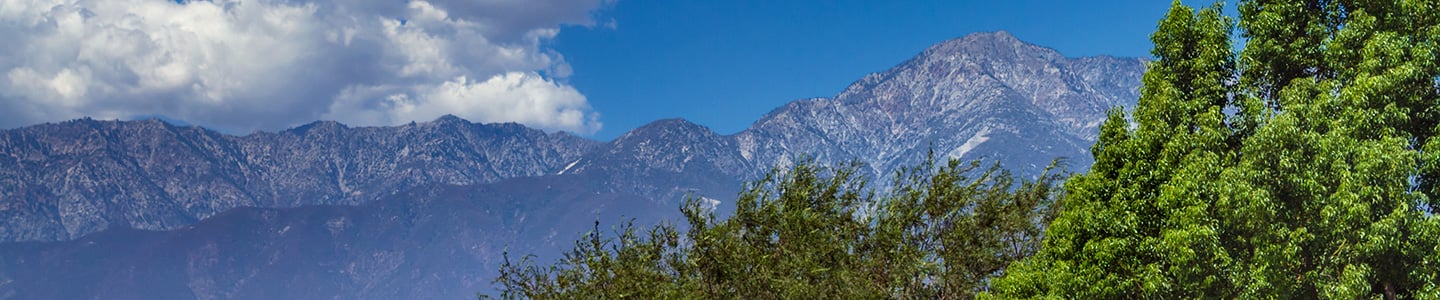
268,64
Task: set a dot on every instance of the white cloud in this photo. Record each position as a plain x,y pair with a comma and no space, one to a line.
521,97
268,64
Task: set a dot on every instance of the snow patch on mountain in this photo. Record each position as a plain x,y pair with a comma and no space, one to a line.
975,140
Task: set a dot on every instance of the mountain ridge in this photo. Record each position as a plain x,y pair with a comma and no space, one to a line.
132,167
962,98
423,210
949,94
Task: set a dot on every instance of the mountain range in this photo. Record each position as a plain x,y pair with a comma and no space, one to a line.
147,209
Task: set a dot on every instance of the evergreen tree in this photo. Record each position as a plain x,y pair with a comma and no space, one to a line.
1315,184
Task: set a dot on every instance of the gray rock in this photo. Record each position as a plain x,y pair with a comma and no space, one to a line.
65,180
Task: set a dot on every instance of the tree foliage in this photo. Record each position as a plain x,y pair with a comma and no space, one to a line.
1302,167
944,231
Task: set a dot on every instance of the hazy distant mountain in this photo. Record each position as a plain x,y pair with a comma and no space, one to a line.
423,210
434,242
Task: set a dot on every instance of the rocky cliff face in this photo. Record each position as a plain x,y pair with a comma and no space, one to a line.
986,95
62,181
424,210
667,159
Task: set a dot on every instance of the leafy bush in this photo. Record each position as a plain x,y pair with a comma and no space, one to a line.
944,231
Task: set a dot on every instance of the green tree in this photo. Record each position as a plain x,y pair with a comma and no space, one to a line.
813,232
1316,184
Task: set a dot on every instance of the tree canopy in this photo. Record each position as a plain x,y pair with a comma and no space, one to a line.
1302,167
944,232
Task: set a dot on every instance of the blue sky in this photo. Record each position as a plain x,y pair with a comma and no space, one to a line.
594,67
724,64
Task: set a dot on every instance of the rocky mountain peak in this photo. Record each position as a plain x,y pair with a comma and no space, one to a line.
999,38
668,128
992,60
154,122
323,126
665,160
449,120
988,48
671,123
976,96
